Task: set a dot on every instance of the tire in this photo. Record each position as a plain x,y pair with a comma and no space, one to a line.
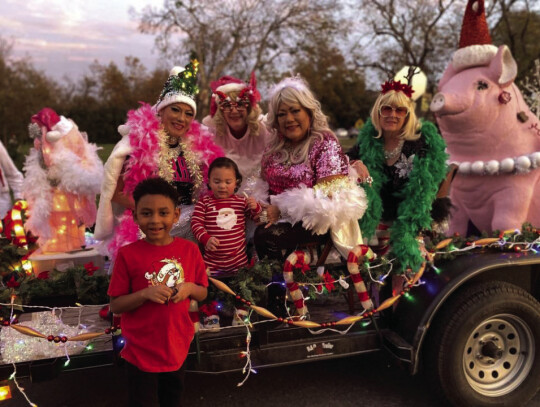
483,350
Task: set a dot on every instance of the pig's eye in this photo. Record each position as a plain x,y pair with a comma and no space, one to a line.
481,85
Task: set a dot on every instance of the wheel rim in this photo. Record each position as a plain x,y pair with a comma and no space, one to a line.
498,355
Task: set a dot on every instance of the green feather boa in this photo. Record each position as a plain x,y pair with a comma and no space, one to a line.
417,195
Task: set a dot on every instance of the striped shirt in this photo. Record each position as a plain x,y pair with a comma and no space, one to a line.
224,219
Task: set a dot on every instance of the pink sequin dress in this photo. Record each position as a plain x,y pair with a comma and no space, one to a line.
324,159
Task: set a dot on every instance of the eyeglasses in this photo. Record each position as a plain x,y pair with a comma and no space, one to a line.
386,111
241,105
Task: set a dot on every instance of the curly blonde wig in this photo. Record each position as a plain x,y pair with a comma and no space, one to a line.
252,119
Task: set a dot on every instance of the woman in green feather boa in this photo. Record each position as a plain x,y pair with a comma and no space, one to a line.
404,160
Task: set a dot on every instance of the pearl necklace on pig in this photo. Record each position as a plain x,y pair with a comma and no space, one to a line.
509,165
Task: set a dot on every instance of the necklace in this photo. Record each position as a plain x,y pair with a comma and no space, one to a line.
168,154
390,155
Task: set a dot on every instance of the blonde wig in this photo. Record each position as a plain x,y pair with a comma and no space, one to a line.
411,126
252,118
295,91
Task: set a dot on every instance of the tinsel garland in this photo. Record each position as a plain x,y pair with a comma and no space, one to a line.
417,195
168,154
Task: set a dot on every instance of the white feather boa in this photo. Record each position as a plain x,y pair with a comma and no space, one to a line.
319,212
36,189
78,176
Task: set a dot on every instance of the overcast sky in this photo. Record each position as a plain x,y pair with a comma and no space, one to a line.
63,37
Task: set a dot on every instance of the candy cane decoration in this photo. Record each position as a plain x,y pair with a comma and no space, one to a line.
297,259
360,253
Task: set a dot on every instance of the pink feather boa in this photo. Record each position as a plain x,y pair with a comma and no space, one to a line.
144,126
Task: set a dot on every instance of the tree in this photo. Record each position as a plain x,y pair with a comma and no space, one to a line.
339,88
516,23
395,33
23,92
236,36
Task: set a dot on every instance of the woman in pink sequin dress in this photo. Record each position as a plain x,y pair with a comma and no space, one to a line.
312,192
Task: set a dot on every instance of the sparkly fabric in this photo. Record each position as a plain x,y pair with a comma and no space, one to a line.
324,159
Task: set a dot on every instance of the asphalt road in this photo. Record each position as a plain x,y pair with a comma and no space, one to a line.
367,380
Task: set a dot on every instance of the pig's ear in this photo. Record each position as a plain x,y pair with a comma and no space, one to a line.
448,73
503,67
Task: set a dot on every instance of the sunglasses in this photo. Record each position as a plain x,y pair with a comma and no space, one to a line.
240,106
386,111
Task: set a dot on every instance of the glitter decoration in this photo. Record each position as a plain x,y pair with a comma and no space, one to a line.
184,83
17,347
327,188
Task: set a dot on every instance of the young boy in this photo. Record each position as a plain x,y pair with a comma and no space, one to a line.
151,286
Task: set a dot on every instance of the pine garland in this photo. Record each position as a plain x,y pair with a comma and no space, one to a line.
417,195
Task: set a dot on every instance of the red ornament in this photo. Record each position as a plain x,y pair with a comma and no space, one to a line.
397,86
504,97
90,268
44,275
63,339
328,281
50,338
12,283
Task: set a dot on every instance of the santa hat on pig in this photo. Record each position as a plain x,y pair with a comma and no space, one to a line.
475,45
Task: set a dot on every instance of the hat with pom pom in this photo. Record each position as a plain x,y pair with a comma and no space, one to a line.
180,87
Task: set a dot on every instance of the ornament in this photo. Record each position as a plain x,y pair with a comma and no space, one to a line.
504,97
522,117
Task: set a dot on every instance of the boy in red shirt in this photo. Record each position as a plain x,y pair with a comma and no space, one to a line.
151,286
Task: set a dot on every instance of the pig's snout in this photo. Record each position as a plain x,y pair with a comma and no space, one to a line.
443,104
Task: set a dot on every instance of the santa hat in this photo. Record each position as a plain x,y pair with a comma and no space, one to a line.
475,47
180,87
57,126
227,84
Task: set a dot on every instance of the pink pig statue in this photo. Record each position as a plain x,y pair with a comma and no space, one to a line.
495,140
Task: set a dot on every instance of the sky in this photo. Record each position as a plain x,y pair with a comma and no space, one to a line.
63,37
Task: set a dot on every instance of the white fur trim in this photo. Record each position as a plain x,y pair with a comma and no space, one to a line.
176,70
107,210
231,87
318,212
473,55
176,98
64,126
38,192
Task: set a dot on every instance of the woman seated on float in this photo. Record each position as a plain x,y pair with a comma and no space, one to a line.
162,140
404,160
310,192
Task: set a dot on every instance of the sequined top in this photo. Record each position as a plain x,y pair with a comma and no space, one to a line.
325,159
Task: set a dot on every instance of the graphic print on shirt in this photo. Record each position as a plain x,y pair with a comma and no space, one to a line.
226,218
181,171
170,274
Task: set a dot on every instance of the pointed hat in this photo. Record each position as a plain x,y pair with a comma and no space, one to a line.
475,47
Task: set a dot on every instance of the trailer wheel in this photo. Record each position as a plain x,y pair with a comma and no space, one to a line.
484,349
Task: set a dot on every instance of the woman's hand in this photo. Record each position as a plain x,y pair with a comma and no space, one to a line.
362,171
273,214
212,244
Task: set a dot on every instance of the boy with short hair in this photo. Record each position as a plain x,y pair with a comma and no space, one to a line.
151,286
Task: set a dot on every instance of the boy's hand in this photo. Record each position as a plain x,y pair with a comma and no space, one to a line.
212,244
252,203
157,293
183,291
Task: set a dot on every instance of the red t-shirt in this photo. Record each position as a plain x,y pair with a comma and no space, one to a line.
157,336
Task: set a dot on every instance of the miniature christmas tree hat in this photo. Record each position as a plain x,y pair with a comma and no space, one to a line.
475,46
180,87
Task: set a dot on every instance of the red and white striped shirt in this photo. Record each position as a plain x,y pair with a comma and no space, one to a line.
224,219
